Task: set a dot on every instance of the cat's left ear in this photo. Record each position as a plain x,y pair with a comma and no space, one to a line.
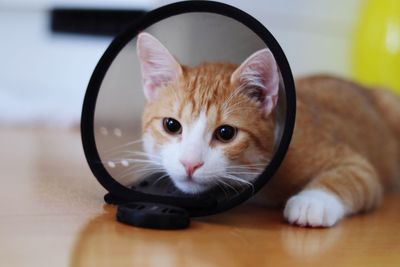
258,77
157,64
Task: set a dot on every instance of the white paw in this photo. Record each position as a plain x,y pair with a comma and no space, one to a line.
315,208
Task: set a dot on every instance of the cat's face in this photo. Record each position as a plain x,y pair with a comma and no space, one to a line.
211,124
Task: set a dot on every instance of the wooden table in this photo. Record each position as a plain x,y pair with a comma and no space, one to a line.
52,214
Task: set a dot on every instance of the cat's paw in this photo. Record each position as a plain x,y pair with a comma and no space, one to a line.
315,208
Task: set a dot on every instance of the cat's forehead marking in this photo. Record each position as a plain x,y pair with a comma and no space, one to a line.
198,128
186,111
213,115
190,112
202,89
175,107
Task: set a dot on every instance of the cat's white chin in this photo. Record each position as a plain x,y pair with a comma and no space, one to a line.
190,186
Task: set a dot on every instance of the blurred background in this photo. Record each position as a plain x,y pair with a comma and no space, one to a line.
49,48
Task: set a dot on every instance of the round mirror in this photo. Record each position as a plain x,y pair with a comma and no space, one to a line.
192,106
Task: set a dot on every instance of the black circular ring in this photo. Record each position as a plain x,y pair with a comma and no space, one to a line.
89,105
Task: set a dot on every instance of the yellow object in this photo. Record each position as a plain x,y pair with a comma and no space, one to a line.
376,54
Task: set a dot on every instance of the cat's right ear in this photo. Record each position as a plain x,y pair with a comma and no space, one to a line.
258,78
157,64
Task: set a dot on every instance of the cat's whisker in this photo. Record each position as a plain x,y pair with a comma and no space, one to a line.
236,179
160,178
252,164
247,166
242,172
226,109
217,183
236,104
142,169
236,91
228,185
123,145
140,153
156,162
240,109
142,173
136,167
132,160
263,164
121,155
239,180
139,167
245,169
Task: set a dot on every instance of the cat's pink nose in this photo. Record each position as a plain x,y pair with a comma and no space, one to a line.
191,166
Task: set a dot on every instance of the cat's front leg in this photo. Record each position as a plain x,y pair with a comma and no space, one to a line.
349,187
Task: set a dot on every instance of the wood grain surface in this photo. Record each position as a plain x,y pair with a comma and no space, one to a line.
52,214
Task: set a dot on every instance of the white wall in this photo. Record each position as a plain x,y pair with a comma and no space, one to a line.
316,35
43,76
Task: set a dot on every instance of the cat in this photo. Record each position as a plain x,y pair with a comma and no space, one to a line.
214,124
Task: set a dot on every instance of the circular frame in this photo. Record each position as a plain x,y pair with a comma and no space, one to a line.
194,205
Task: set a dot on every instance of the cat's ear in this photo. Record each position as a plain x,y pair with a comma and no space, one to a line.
258,77
157,64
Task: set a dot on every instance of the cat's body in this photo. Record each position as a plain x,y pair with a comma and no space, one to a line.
346,142
213,124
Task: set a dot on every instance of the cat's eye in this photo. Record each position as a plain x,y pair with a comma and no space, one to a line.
225,133
172,126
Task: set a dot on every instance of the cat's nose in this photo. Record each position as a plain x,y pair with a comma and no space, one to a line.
191,166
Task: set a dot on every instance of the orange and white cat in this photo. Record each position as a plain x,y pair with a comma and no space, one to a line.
214,124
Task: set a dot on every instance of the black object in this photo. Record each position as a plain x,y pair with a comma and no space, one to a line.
108,22
200,205
153,215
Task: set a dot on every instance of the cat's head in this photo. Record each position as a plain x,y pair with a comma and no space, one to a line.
210,124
